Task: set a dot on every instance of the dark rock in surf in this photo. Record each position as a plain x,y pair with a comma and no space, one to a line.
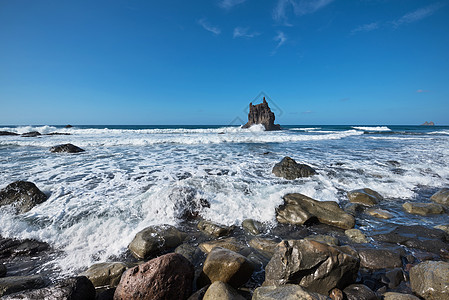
187,201
58,133
167,277
261,114
359,292
365,196
214,229
76,288
252,226
23,195
2,270
31,134
315,266
5,133
68,126
441,197
13,247
289,169
14,284
67,148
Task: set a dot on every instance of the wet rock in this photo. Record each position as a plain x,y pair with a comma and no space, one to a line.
299,209
354,208
227,266
252,226
399,296
57,133
445,228
66,148
76,288
365,196
222,291
325,239
379,213
2,270
214,229
356,236
154,240
261,114
441,197
186,250
228,243
198,295
14,284
430,280
31,134
13,247
285,292
5,133
313,265
374,259
68,126
169,276
289,169
187,201
423,209
105,274
23,195
264,245
395,277
359,292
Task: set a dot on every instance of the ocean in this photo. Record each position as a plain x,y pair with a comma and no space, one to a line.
124,182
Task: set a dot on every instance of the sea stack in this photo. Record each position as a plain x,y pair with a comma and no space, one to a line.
261,114
428,123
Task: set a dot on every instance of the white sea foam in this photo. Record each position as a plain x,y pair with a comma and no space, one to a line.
372,128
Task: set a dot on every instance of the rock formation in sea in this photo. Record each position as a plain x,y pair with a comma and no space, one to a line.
428,123
261,114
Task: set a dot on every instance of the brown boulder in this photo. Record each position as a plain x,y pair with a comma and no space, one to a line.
372,258
289,169
430,280
423,209
214,229
365,196
221,291
167,277
105,274
441,197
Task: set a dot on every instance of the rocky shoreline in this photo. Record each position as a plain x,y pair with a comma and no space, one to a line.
316,250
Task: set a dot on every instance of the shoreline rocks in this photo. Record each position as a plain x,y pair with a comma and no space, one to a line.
289,169
430,280
441,197
261,114
423,209
366,197
24,195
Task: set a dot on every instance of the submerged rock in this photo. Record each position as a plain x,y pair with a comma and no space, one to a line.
356,236
299,209
423,209
226,266
379,213
365,196
13,247
441,197
313,265
221,291
105,274
214,229
154,240
76,288
261,114
187,201
430,280
66,148
13,284
289,169
23,195
169,276
252,226
228,243
285,292
31,134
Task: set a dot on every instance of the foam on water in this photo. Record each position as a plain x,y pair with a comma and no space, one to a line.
101,198
372,128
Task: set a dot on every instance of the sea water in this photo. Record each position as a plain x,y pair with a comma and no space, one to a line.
99,199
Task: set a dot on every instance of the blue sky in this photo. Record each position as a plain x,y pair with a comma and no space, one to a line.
202,62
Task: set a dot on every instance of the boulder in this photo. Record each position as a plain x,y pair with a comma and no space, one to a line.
214,229
221,291
264,245
76,288
441,197
356,236
374,259
395,277
365,196
2,270
299,209
23,195
13,284
379,213
187,201
155,239
325,239
13,247
285,292
359,292
430,280
105,274
445,228
399,296
228,243
4,133
261,114
227,266
315,266
169,276
199,295
252,226
423,209
66,148
187,250
31,134
289,169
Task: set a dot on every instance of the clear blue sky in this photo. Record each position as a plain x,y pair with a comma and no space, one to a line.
202,62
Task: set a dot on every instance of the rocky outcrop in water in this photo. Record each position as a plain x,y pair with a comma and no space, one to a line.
365,196
261,114
5,133
23,195
169,276
31,134
428,123
66,148
289,169
441,197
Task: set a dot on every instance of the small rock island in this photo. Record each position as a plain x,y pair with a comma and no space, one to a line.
261,114
428,123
